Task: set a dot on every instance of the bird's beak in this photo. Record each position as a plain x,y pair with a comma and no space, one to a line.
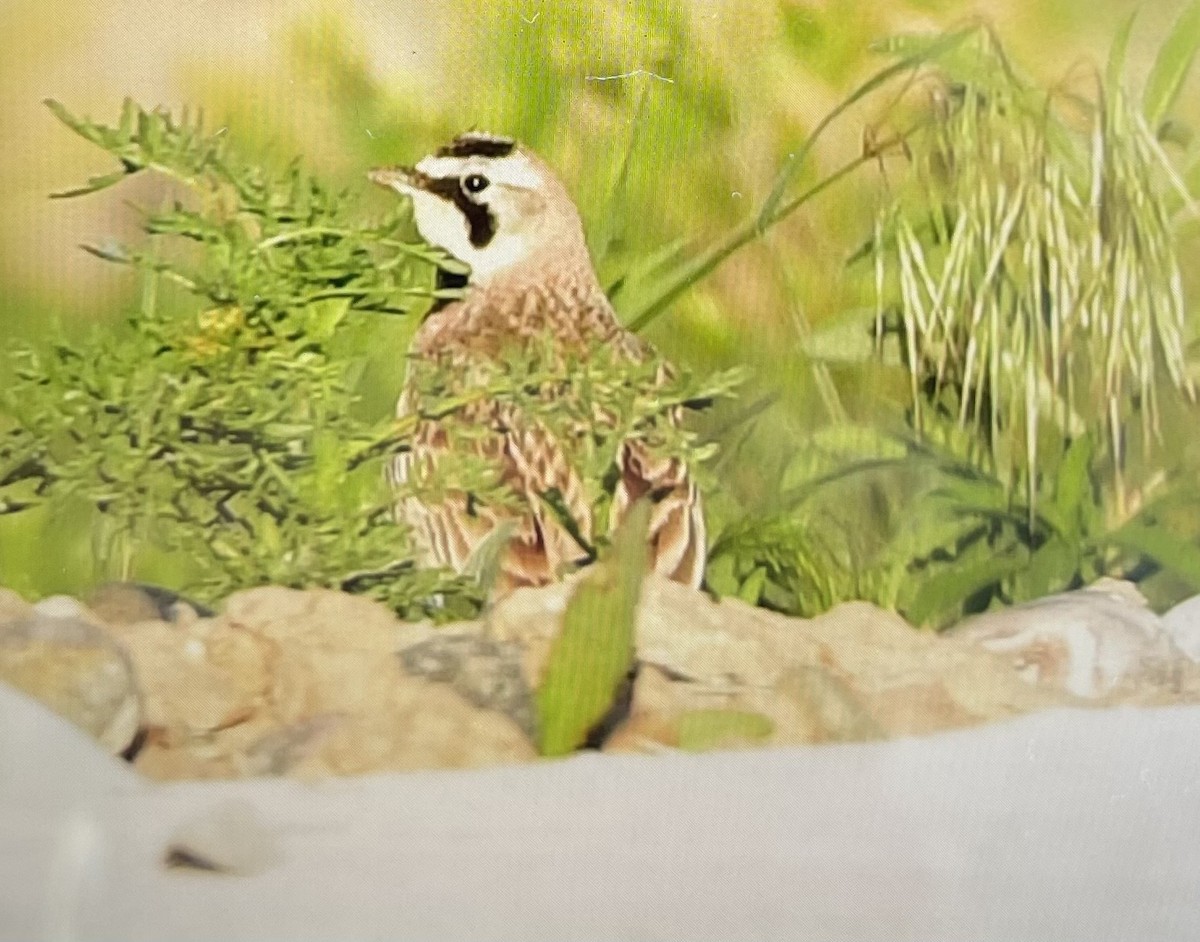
404,180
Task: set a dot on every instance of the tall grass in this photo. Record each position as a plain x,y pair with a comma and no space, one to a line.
1038,283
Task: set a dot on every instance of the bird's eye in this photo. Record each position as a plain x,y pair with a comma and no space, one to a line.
475,183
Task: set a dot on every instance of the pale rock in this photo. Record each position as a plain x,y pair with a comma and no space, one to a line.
717,643
854,673
200,679
229,837
915,682
529,618
221,754
13,607
321,617
371,715
1094,643
318,683
77,671
129,603
486,673
1182,623
62,606
311,684
417,725
120,603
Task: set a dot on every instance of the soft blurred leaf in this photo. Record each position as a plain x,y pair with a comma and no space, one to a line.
1180,556
1171,67
700,730
940,594
927,52
594,651
1117,51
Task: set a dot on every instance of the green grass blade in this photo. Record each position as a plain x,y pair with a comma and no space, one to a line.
688,272
1118,51
1171,67
615,217
1173,553
926,53
94,184
594,651
943,593
80,126
700,730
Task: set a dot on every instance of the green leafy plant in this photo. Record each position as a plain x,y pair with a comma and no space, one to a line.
589,402
219,423
1029,293
1041,322
594,651
231,435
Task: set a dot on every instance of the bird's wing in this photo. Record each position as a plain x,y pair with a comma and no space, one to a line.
556,532
677,534
553,533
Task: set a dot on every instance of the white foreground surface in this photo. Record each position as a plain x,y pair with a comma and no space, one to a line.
1059,827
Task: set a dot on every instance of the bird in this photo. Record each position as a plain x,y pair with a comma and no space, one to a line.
492,204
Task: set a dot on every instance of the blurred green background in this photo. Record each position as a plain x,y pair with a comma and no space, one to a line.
718,92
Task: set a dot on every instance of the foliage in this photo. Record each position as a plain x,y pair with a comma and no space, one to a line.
593,653
700,730
1042,299
589,402
228,435
935,519
1041,321
231,436
1030,291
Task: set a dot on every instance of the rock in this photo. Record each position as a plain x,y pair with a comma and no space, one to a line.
1182,623
855,673
321,618
13,607
1102,642
858,672
76,670
319,683
311,684
229,838
63,606
915,682
486,673
411,724
200,678
126,603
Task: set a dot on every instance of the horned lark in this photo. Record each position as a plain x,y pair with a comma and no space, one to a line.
495,206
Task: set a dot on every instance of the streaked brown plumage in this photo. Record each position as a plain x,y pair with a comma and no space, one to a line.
498,208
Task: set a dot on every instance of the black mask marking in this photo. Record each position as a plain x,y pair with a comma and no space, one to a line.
478,145
481,224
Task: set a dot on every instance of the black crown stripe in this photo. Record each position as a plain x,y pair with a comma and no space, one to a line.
478,145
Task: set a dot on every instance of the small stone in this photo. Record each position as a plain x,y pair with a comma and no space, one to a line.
76,670
487,673
61,606
1182,623
230,838
1094,643
13,607
120,603
127,603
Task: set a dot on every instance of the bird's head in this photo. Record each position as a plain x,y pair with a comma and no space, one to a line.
490,203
